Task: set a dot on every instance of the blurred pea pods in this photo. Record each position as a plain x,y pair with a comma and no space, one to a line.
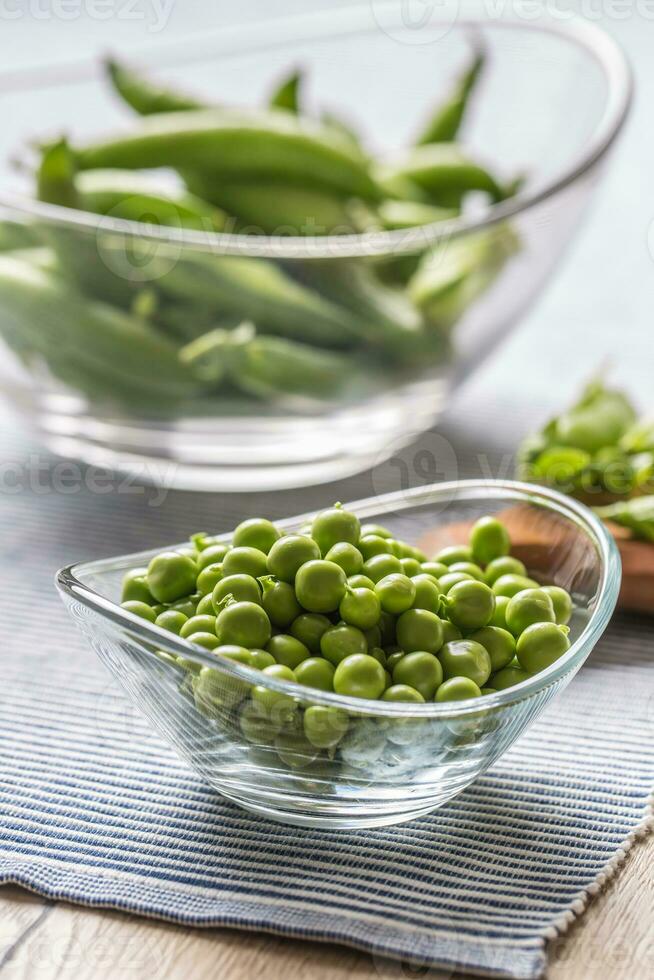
287,94
639,438
444,125
65,328
637,515
600,418
267,367
258,290
452,275
276,208
14,234
143,96
140,197
411,214
238,144
443,171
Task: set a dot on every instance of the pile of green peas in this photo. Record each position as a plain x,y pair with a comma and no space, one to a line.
347,608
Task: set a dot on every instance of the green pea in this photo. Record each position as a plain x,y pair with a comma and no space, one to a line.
394,658
377,567
457,689
333,526
186,606
213,555
201,540
360,676
373,636
508,677
499,615
244,561
396,593
507,565
456,552
287,650
435,568
171,620
499,644
205,606
288,555
450,631
410,566
198,624
360,582
465,658
215,693
279,708
376,529
279,601
488,690
243,588
255,724
347,556
171,576
295,750
509,585
387,629
419,629
231,651
561,602
316,672
402,692
360,608
411,551
469,605
261,658
420,670
320,586
527,607
140,609
209,578
428,593
257,533
325,727
541,645
467,568
309,628
453,578
372,545
243,623
339,642
489,539
204,639
135,587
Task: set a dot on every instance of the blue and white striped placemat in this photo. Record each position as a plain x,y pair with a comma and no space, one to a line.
95,809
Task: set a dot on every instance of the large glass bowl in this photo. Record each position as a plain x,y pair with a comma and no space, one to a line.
553,100
396,761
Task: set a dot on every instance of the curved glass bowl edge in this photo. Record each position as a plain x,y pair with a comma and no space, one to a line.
69,584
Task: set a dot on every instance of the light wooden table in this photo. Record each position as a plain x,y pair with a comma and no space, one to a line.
42,940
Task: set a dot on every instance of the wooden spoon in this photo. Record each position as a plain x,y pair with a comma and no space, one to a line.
533,540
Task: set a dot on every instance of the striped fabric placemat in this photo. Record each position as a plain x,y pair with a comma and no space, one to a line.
94,808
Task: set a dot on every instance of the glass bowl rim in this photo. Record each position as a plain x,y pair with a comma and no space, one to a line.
582,517
356,20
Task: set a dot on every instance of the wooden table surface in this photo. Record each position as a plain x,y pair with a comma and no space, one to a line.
41,940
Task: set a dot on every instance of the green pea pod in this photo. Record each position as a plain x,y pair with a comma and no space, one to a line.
344,129
144,97
15,234
287,94
65,327
240,145
452,275
410,214
55,178
637,515
444,125
40,257
444,171
258,290
639,438
138,197
276,208
268,367
600,418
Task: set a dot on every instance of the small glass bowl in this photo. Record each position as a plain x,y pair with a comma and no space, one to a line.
396,761
555,94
